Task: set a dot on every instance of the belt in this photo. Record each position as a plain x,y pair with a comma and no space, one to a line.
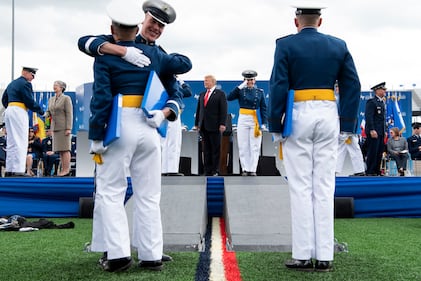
314,94
132,100
17,103
252,112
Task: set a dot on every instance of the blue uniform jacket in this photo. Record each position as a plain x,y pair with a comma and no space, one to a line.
113,75
313,60
176,63
375,118
253,98
20,90
413,143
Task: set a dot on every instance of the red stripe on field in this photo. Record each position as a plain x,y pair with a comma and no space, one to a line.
232,272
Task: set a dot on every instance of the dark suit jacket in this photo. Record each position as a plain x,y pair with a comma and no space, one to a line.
215,112
375,116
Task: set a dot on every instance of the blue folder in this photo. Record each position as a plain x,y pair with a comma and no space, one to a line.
114,122
287,120
155,98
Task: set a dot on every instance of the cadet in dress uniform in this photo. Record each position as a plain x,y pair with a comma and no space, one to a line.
310,62
375,128
171,144
48,155
17,99
156,17
252,108
137,150
414,142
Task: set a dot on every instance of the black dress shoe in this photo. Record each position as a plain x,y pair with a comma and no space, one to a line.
166,258
151,265
175,174
324,266
117,265
102,259
301,265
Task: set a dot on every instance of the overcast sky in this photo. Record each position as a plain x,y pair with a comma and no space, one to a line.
221,37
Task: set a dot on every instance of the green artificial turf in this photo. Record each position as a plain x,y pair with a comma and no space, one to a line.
57,254
379,249
385,249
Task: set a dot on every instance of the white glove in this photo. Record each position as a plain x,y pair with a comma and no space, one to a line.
97,147
242,85
344,135
263,127
277,137
181,81
135,56
156,118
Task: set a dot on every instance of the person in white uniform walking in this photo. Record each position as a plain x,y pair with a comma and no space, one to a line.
251,119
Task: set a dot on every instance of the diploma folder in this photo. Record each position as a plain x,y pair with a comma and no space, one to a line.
287,120
155,98
112,131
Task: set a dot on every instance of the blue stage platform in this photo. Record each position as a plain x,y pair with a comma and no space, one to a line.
59,197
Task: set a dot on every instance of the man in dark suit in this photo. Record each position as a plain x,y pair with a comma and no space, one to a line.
375,128
211,115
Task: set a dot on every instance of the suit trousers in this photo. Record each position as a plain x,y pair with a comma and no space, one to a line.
310,159
17,126
375,149
212,141
137,151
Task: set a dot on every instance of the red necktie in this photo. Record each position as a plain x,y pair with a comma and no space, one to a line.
205,102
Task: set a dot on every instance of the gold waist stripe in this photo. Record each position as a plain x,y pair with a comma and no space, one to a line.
132,100
314,94
252,112
16,103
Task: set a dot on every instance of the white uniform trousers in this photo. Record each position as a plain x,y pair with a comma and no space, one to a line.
310,160
248,144
355,154
171,147
17,126
137,149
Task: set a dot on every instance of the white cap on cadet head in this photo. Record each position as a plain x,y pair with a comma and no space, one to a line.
308,7
128,12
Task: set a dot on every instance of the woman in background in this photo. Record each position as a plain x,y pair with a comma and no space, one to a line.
60,109
397,147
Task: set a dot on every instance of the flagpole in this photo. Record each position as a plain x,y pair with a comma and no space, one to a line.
13,39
